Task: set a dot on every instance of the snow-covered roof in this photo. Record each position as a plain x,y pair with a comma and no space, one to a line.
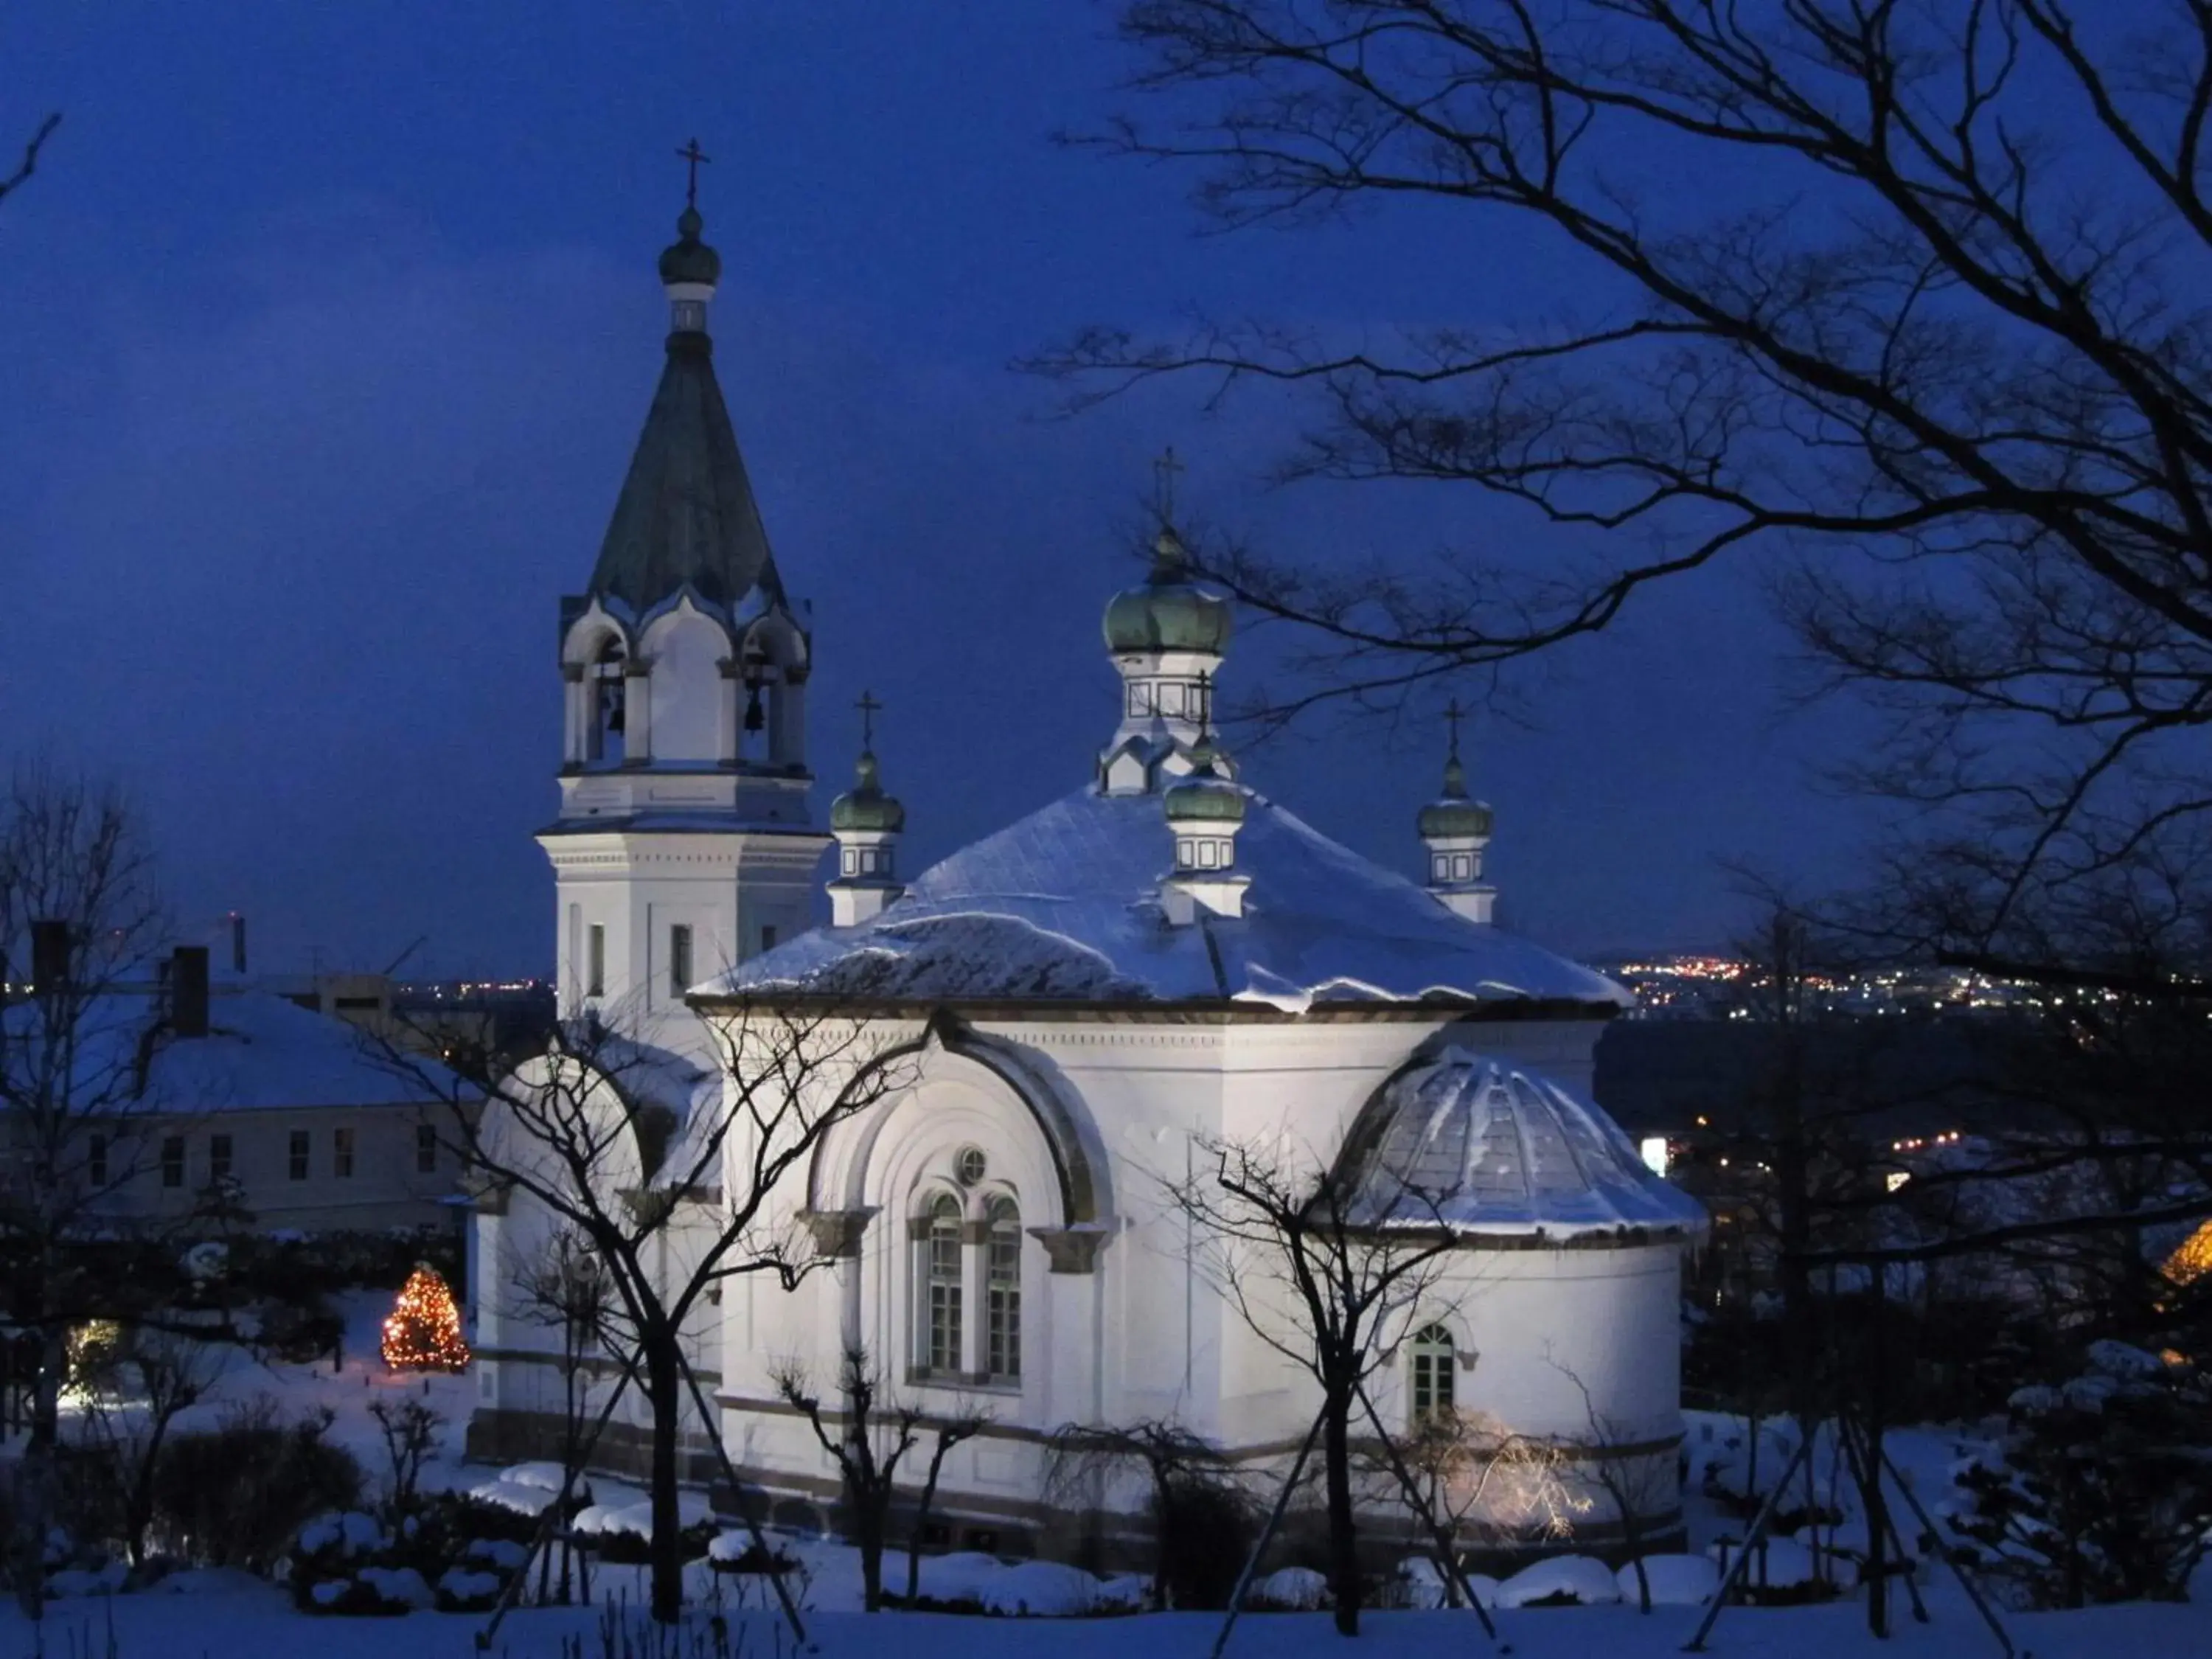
1064,905
1482,1147
260,1051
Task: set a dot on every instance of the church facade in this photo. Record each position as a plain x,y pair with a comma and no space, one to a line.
1082,1009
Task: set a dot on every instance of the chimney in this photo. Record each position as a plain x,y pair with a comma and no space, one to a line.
188,990
237,943
50,956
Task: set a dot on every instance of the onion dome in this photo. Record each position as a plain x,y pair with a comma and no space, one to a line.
1454,814
688,259
1478,1146
1169,612
1206,796
865,806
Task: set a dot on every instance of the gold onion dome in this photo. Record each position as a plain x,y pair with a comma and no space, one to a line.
865,806
1206,796
688,259
1454,814
1169,612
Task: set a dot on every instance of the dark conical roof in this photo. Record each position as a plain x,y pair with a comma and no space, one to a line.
686,512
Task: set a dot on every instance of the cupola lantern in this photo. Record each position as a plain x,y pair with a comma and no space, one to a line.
1455,830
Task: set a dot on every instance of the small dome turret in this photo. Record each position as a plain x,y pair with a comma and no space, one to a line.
688,259
1454,830
1455,813
1169,612
865,806
1205,796
867,822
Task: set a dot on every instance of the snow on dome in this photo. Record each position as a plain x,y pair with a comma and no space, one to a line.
1064,905
1482,1147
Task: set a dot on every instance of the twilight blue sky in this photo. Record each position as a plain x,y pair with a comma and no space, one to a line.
327,330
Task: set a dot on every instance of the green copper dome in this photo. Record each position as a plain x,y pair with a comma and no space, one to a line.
1204,797
1454,815
1167,613
689,259
865,806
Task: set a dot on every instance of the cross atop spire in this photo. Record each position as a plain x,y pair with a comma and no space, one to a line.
869,708
694,156
1453,715
1163,484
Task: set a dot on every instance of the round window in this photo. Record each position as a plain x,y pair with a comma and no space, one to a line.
971,1166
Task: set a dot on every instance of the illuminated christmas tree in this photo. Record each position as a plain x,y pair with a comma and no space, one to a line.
424,1332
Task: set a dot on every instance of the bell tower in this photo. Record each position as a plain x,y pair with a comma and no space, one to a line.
684,843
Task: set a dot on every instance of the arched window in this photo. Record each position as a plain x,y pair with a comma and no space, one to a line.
937,1273
1002,1280
1432,1374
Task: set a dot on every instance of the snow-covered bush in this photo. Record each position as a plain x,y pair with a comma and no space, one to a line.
1562,1581
2100,1489
1289,1589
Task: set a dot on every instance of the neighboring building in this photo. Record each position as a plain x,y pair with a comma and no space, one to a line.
297,1115
1080,1002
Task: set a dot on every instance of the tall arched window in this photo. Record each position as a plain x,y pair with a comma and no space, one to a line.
938,1285
1432,1374
1002,1282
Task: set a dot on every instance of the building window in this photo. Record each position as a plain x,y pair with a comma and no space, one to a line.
96,1160
595,973
302,1141
1002,1282
173,1160
218,1159
937,1268
1432,1374
679,960
341,1153
426,1148
767,938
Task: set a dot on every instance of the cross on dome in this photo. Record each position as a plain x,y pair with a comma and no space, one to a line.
1163,480
869,708
694,156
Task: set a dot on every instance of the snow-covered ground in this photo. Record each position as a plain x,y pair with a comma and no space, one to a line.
258,1622
227,1615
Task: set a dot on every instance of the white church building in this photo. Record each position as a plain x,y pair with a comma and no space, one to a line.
1160,960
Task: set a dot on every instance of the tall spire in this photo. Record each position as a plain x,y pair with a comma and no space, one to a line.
686,515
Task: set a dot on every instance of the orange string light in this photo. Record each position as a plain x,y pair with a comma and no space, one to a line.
424,1331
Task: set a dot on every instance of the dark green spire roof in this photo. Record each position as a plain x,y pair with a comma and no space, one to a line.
686,512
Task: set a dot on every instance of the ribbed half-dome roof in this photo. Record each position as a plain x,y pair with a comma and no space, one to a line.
1482,1146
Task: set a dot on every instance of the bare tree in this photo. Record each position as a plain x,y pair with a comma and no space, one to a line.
565,1287
1942,335
1325,1270
669,1176
1472,1475
869,1438
29,164
134,1389
78,906
1082,1461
